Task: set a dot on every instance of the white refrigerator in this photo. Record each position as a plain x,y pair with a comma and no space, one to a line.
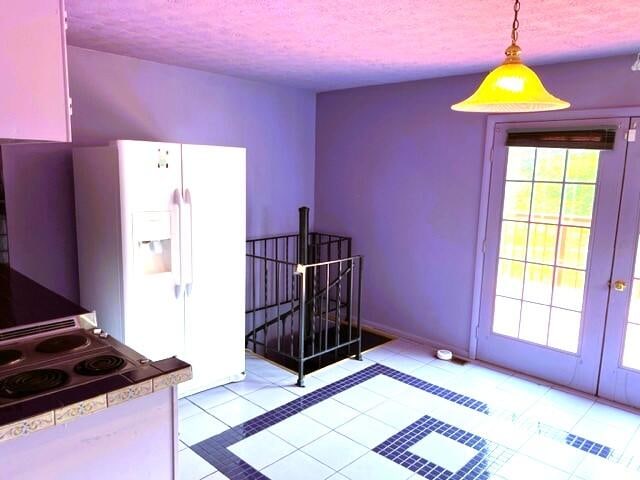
161,251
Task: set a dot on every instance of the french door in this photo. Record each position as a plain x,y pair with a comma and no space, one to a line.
620,372
560,296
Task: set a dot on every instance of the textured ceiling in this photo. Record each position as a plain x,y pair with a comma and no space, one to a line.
330,44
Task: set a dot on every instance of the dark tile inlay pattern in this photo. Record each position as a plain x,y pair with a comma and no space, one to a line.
214,450
588,446
488,460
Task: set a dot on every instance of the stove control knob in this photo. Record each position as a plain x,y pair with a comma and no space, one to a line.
97,331
144,361
104,334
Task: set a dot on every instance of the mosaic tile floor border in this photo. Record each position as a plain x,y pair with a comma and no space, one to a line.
489,459
214,450
554,433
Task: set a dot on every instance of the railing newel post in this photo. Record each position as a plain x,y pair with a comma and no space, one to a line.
301,315
361,265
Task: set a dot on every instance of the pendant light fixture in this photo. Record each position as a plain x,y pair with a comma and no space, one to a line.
512,87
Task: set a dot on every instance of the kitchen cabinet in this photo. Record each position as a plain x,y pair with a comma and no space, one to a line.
34,93
133,440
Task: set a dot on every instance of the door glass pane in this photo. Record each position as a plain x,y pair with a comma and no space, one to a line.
545,206
538,283
634,305
564,329
577,204
631,352
568,288
573,247
582,166
510,275
534,323
544,245
506,316
631,356
520,166
550,164
517,201
513,241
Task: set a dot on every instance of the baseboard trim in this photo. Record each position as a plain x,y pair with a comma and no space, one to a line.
398,333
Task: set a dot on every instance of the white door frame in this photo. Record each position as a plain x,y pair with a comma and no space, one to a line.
483,211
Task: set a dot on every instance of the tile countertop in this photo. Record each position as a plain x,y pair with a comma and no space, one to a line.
63,406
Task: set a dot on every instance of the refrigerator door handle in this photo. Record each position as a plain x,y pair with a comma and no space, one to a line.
176,215
188,243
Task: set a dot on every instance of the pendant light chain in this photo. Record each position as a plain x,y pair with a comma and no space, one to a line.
516,23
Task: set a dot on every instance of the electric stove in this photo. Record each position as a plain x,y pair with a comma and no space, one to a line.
40,361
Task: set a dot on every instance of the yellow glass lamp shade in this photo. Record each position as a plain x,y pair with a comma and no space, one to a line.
512,87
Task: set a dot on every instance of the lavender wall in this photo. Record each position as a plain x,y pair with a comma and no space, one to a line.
118,97
401,173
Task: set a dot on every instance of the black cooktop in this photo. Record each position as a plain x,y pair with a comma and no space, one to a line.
36,391
9,356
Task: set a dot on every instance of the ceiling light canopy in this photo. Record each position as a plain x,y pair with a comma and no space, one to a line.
512,87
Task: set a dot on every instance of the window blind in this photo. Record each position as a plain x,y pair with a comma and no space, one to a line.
594,139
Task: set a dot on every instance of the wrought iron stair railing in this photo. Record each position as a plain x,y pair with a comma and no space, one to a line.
303,296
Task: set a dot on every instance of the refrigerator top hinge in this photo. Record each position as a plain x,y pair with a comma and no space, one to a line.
630,136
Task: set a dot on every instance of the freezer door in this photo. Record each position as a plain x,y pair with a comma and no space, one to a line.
214,263
151,201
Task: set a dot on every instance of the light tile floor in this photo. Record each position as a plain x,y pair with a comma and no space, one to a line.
401,414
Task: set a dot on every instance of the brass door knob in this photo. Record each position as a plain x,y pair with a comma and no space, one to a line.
619,286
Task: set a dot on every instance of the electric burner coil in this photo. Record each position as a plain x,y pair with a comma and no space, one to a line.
62,343
100,365
32,382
